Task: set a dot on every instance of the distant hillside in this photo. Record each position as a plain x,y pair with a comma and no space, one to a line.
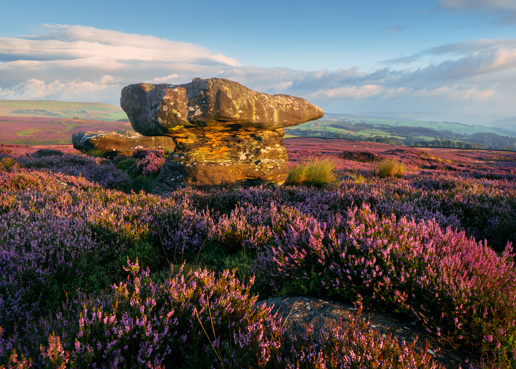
507,123
60,109
406,132
51,131
454,127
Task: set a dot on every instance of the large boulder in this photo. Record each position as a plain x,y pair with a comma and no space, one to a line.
118,143
226,135
215,103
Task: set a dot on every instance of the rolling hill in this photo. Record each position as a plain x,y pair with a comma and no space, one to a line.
406,132
61,109
507,123
457,128
36,122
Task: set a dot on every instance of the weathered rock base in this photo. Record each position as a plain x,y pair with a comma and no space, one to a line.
225,159
111,144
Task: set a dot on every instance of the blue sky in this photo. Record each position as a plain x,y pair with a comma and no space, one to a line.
442,60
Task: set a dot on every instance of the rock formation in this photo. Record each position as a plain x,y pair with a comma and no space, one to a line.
123,143
225,134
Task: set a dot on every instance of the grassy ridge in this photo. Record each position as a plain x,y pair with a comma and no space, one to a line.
50,131
407,132
455,127
61,109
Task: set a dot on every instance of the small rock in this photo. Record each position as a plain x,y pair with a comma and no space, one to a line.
118,143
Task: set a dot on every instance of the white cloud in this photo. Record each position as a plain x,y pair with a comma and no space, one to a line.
78,42
504,11
167,79
352,92
473,80
465,59
396,92
54,90
456,93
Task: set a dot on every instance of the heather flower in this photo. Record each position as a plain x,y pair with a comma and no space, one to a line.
456,286
151,163
54,353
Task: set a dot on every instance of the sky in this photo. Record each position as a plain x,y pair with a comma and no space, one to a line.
438,60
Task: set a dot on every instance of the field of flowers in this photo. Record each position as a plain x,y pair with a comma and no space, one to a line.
94,274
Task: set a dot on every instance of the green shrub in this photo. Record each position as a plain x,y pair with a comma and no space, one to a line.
96,153
391,168
7,163
41,153
126,164
316,173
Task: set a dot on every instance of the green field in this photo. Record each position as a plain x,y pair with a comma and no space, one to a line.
60,109
406,132
458,128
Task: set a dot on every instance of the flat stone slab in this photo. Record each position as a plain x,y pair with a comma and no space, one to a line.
210,104
119,143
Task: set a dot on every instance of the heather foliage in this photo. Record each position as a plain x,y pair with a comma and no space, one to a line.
47,152
47,256
356,345
191,320
7,163
143,167
97,170
456,287
151,162
197,320
410,245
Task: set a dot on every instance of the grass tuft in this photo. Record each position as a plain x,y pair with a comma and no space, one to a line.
391,168
316,173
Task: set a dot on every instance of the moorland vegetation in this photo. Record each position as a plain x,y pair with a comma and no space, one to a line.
97,272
